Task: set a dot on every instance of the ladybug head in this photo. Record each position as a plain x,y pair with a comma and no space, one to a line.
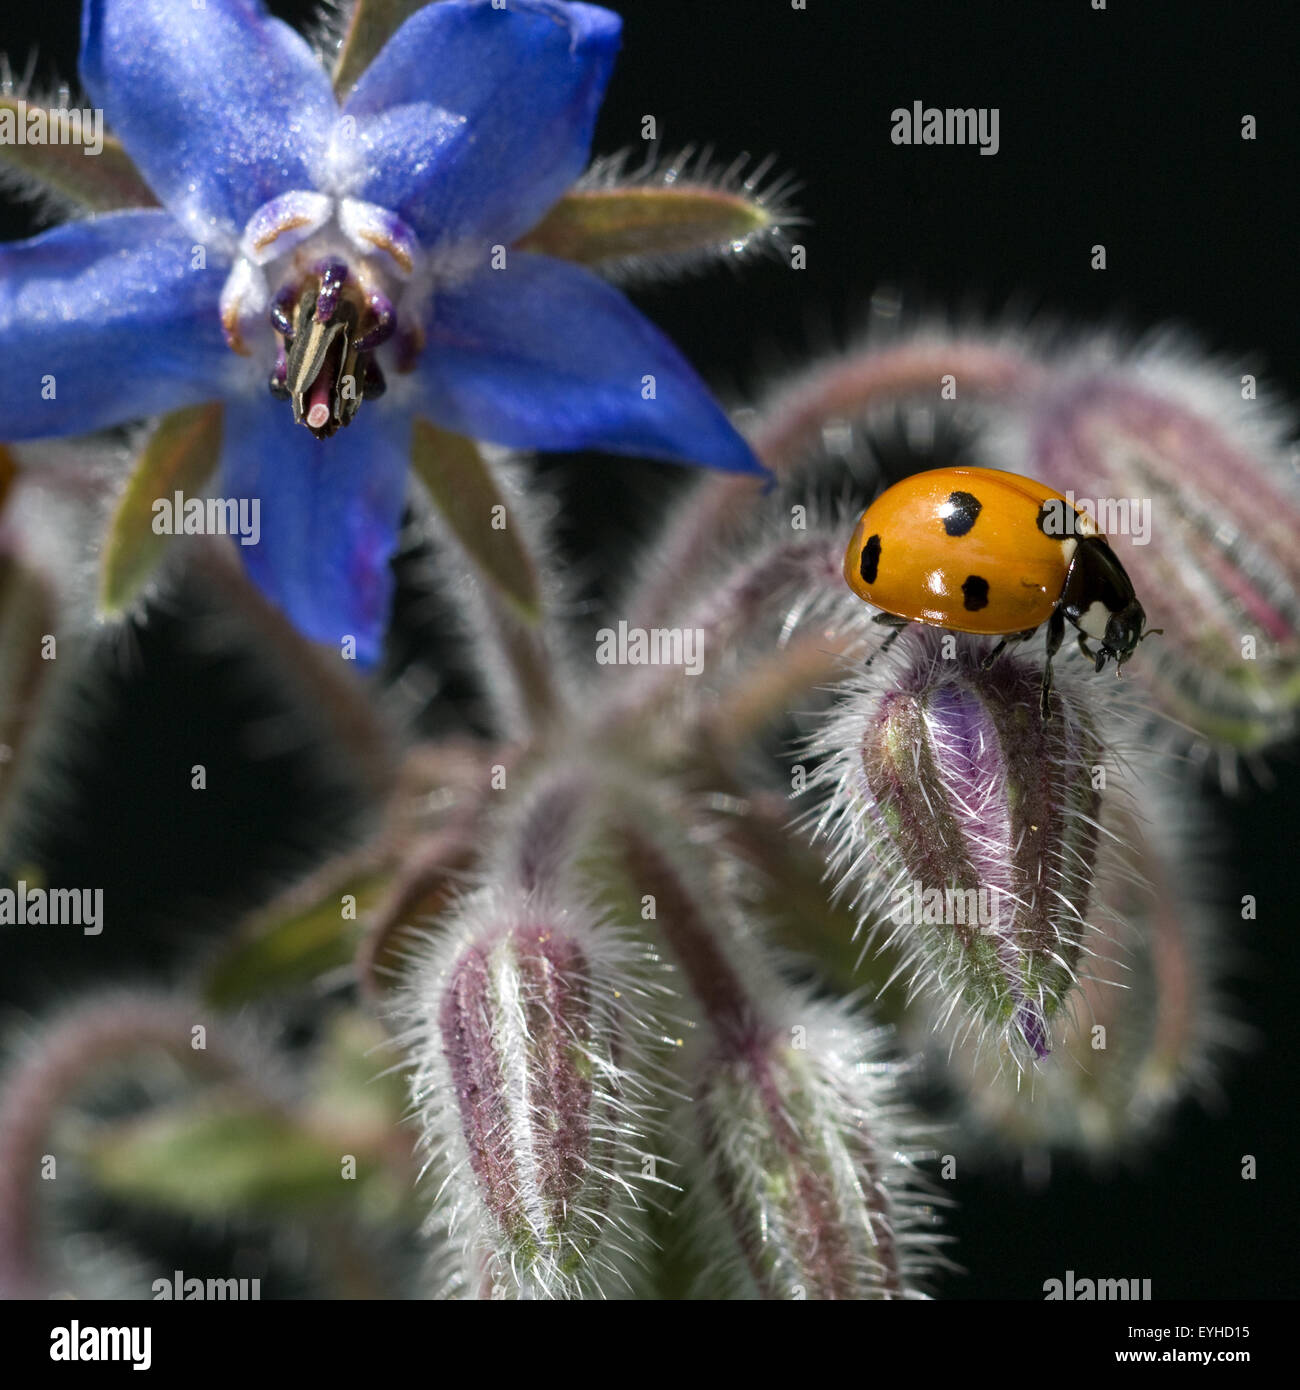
1098,598
1124,630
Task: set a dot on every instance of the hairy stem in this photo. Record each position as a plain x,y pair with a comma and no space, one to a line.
37,1087
791,426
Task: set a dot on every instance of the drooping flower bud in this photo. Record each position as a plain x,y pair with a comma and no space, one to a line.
965,824
1184,470
527,1037
811,1162
797,1157
1147,1025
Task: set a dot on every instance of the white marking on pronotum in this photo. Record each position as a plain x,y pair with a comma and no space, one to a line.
1094,620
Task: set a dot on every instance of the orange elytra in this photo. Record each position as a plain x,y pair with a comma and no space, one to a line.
983,551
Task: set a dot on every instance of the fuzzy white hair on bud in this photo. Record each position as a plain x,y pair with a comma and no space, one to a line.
1149,1025
1157,438
805,1165
930,781
530,1032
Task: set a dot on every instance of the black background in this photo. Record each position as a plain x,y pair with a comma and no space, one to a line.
1120,127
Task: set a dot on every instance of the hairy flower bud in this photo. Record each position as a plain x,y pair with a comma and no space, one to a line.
966,826
525,1041
798,1161
1147,1024
1185,473
804,1148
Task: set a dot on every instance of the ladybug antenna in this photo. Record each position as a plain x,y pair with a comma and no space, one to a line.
1142,637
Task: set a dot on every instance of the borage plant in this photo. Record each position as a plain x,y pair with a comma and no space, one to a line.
644,981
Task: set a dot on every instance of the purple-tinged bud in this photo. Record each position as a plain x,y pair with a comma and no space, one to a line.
812,1165
1186,473
799,1161
966,826
527,1036
1147,1026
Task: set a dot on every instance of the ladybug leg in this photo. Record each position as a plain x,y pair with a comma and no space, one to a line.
989,658
992,656
1055,636
1097,658
896,624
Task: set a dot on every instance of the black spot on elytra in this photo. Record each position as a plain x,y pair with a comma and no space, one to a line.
1056,518
975,593
962,508
870,565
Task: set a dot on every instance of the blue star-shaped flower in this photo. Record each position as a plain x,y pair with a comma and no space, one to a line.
315,266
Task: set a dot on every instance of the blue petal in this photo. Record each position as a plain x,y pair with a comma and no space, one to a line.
220,106
543,355
330,512
473,120
109,314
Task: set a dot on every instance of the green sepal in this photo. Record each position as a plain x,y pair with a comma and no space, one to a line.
311,930
106,182
27,623
371,24
226,1155
181,455
607,225
458,479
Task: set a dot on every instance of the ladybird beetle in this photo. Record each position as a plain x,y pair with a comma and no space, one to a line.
983,551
